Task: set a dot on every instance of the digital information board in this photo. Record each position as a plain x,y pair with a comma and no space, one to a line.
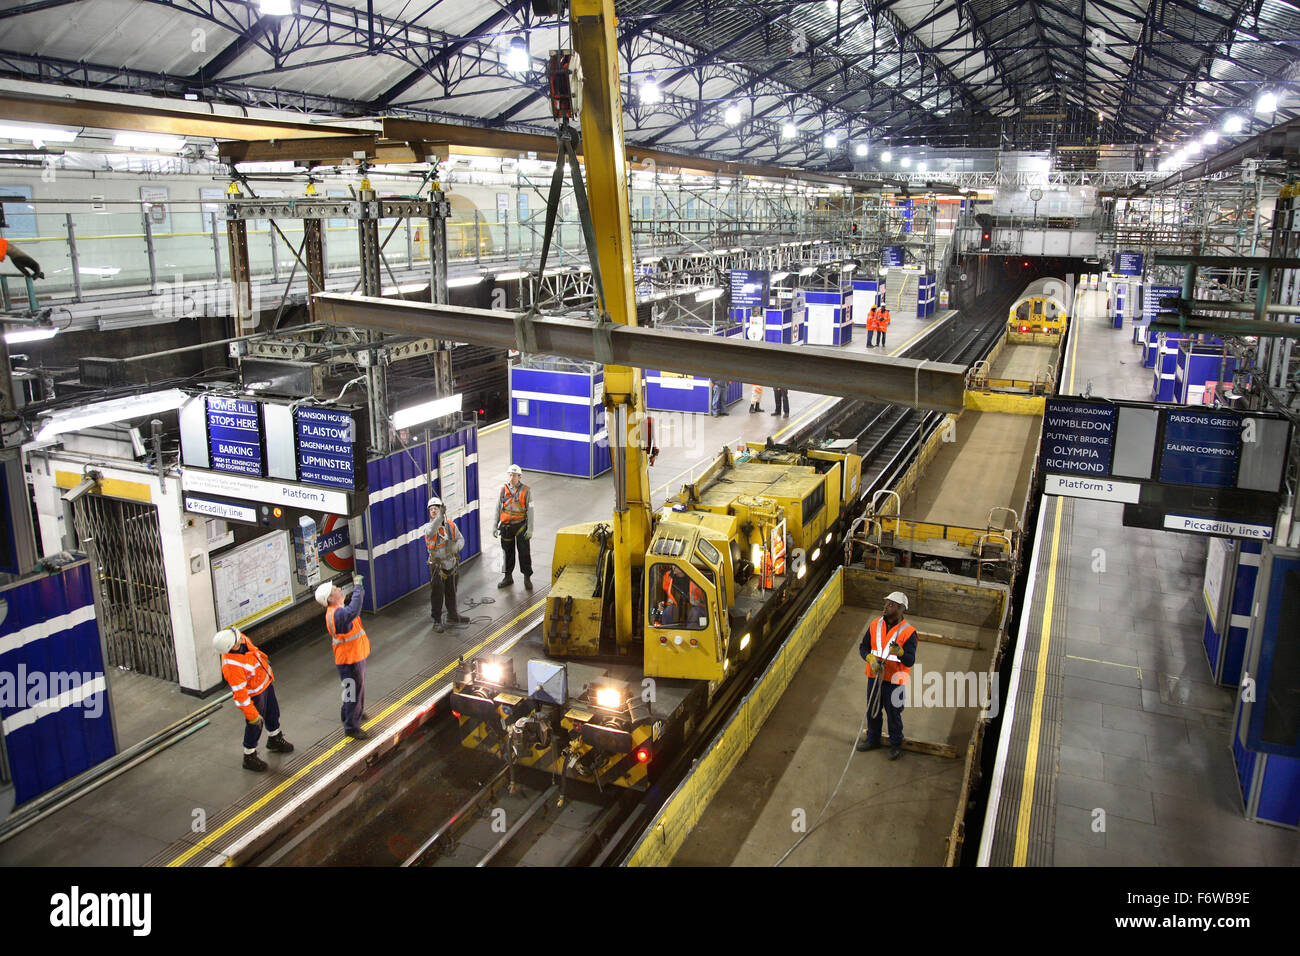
1151,301
1128,264
326,446
1200,471
891,256
749,288
235,435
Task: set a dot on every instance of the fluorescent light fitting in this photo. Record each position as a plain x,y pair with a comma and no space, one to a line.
780,276
19,336
807,270
459,281
518,59
426,411
105,413
1234,124
37,135
274,8
708,295
1267,103
650,93
849,266
1210,138
167,144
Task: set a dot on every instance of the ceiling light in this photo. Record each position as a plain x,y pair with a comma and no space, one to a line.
708,295
831,141
807,270
517,58
1210,138
920,167
30,335
650,93
426,411
780,276
460,281
860,149
789,131
274,8
168,144
1267,103
884,157
1234,124
507,276
37,135
1193,147
105,413
731,116
906,161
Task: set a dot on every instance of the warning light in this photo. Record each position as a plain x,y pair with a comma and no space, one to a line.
277,512
456,714
1026,263
482,412
1024,328
642,755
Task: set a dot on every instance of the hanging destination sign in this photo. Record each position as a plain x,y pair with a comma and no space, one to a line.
235,435
326,447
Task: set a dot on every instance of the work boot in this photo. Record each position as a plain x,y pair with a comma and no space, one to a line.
505,582
895,752
254,762
777,412
358,734
528,582
438,626
787,414
278,744
865,745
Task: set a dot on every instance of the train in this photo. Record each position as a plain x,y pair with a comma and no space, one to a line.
1039,313
727,555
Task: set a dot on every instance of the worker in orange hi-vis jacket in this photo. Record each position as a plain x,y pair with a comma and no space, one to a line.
21,260
252,685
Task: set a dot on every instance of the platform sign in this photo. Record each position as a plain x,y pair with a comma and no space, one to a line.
235,435
1151,301
1078,437
1128,263
224,509
749,288
326,446
891,257
1200,448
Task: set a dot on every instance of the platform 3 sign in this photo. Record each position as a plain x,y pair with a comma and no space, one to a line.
1196,471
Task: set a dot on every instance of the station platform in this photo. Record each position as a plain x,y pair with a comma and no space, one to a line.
1111,705
190,803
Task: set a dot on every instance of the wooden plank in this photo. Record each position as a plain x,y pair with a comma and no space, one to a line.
930,749
950,641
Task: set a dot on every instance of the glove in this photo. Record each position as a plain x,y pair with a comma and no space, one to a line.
874,663
527,533
496,532
25,263
256,721
894,650
358,580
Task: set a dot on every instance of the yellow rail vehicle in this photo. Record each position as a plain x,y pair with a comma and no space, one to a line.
725,557
1039,315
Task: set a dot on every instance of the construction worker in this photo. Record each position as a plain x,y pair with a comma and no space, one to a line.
351,648
718,397
515,526
248,672
871,324
882,325
21,260
756,399
697,608
889,648
445,543
782,396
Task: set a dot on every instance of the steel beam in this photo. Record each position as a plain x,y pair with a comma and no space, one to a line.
919,384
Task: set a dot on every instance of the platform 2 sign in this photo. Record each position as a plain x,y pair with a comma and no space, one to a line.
1197,471
1128,264
326,446
235,435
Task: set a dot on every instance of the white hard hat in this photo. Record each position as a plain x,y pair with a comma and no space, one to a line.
898,597
435,501
223,642
323,593
514,470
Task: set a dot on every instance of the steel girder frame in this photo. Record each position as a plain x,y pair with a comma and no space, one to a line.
918,384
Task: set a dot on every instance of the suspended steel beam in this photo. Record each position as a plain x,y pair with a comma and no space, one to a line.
919,384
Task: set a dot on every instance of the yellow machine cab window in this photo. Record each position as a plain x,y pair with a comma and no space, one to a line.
676,599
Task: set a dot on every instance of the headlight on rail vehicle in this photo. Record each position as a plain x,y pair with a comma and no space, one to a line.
817,553
497,671
829,535
609,697
744,642
803,569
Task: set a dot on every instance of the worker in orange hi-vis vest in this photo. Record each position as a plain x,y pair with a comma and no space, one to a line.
889,648
351,648
756,399
882,325
515,527
871,325
252,686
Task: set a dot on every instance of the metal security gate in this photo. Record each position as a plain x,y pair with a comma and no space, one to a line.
125,546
